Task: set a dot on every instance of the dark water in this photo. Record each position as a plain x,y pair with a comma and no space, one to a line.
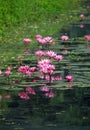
68,110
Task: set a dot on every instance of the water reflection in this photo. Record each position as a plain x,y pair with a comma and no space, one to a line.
70,107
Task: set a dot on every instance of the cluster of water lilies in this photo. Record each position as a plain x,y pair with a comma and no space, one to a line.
44,68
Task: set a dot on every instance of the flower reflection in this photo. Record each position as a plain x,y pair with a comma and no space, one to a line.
50,94
8,96
30,90
45,88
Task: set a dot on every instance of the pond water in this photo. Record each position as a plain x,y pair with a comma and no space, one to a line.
67,109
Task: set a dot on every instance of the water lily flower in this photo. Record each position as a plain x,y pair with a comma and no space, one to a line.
38,36
87,37
23,95
69,78
27,72
64,37
44,40
27,41
23,69
1,72
81,16
44,61
50,54
32,69
39,53
48,39
7,73
58,57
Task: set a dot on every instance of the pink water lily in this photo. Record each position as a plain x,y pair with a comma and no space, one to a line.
7,73
44,40
58,57
38,36
44,61
23,95
47,68
39,53
23,69
48,39
69,78
27,41
50,54
29,73
1,72
64,37
87,37
81,16
32,69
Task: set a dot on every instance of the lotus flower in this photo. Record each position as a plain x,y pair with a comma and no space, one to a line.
69,78
50,54
58,57
39,53
23,95
87,37
1,72
7,73
27,41
64,38
38,36
81,16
